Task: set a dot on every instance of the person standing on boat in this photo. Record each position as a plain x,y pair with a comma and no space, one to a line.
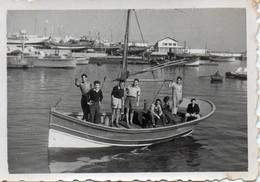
94,98
193,110
84,86
117,100
157,114
176,94
133,93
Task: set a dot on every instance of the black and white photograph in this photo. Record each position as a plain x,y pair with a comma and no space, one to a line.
130,90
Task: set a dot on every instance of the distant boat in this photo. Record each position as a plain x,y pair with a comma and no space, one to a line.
240,73
17,61
23,38
193,62
216,78
53,61
69,45
222,59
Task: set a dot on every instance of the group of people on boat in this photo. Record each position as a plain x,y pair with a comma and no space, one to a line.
125,100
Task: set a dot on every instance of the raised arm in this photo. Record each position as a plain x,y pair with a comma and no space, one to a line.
76,82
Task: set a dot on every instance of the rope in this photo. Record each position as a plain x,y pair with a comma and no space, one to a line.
139,26
158,92
63,95
67,89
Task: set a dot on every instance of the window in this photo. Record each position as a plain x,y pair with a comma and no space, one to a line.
174,44
170,44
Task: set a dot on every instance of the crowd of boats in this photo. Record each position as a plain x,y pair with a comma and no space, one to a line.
25,51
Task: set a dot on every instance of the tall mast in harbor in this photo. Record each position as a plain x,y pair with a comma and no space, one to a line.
124,66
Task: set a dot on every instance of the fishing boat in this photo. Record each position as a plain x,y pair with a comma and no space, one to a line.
68,130
23,38
69,45
52,61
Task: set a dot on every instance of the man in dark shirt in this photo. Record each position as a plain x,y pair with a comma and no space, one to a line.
95,97
193,110
117,100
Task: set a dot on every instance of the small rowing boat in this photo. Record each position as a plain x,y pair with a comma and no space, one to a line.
216,78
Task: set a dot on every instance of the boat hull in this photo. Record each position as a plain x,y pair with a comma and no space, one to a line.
217,78
70,132
195,62
54,63
222,59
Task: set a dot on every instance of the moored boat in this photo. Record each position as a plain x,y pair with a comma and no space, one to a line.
240,73
222,59
53,61
69,131
193,62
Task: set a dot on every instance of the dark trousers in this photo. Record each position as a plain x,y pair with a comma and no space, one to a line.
85,107
95,112
155,120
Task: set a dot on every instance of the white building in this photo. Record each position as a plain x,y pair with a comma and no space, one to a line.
167,45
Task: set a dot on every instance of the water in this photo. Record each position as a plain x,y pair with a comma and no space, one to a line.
217,144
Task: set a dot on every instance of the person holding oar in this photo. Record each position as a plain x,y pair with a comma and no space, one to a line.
176,94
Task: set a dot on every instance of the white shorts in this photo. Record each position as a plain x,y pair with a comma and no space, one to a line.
116,103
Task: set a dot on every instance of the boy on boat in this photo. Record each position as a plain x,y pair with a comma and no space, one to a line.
94,98
133,93
176,94
117,101
193,110
84,86
157,114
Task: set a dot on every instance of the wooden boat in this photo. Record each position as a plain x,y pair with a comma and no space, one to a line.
216,78
54,61
67,131
240,73
222,59
193,62
68,45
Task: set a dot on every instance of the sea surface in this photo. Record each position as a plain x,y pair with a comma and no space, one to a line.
219,143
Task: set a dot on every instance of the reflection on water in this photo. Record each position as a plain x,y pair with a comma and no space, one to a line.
221,139
160,157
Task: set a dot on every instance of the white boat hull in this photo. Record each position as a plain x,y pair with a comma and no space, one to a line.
27,41
54,63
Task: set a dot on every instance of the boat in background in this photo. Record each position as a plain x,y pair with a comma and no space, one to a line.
240,73
69,45
17,61
222,59
193,62
23,38
40,59
217,78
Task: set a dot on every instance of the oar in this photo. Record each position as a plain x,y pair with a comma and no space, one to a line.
103,82
205,76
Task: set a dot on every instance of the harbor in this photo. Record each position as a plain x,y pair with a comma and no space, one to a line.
95,105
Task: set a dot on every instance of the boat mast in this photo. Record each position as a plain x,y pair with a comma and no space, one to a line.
124,66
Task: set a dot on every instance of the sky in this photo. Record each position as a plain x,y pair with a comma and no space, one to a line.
217,29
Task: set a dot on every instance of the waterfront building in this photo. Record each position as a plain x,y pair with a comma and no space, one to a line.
167,45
